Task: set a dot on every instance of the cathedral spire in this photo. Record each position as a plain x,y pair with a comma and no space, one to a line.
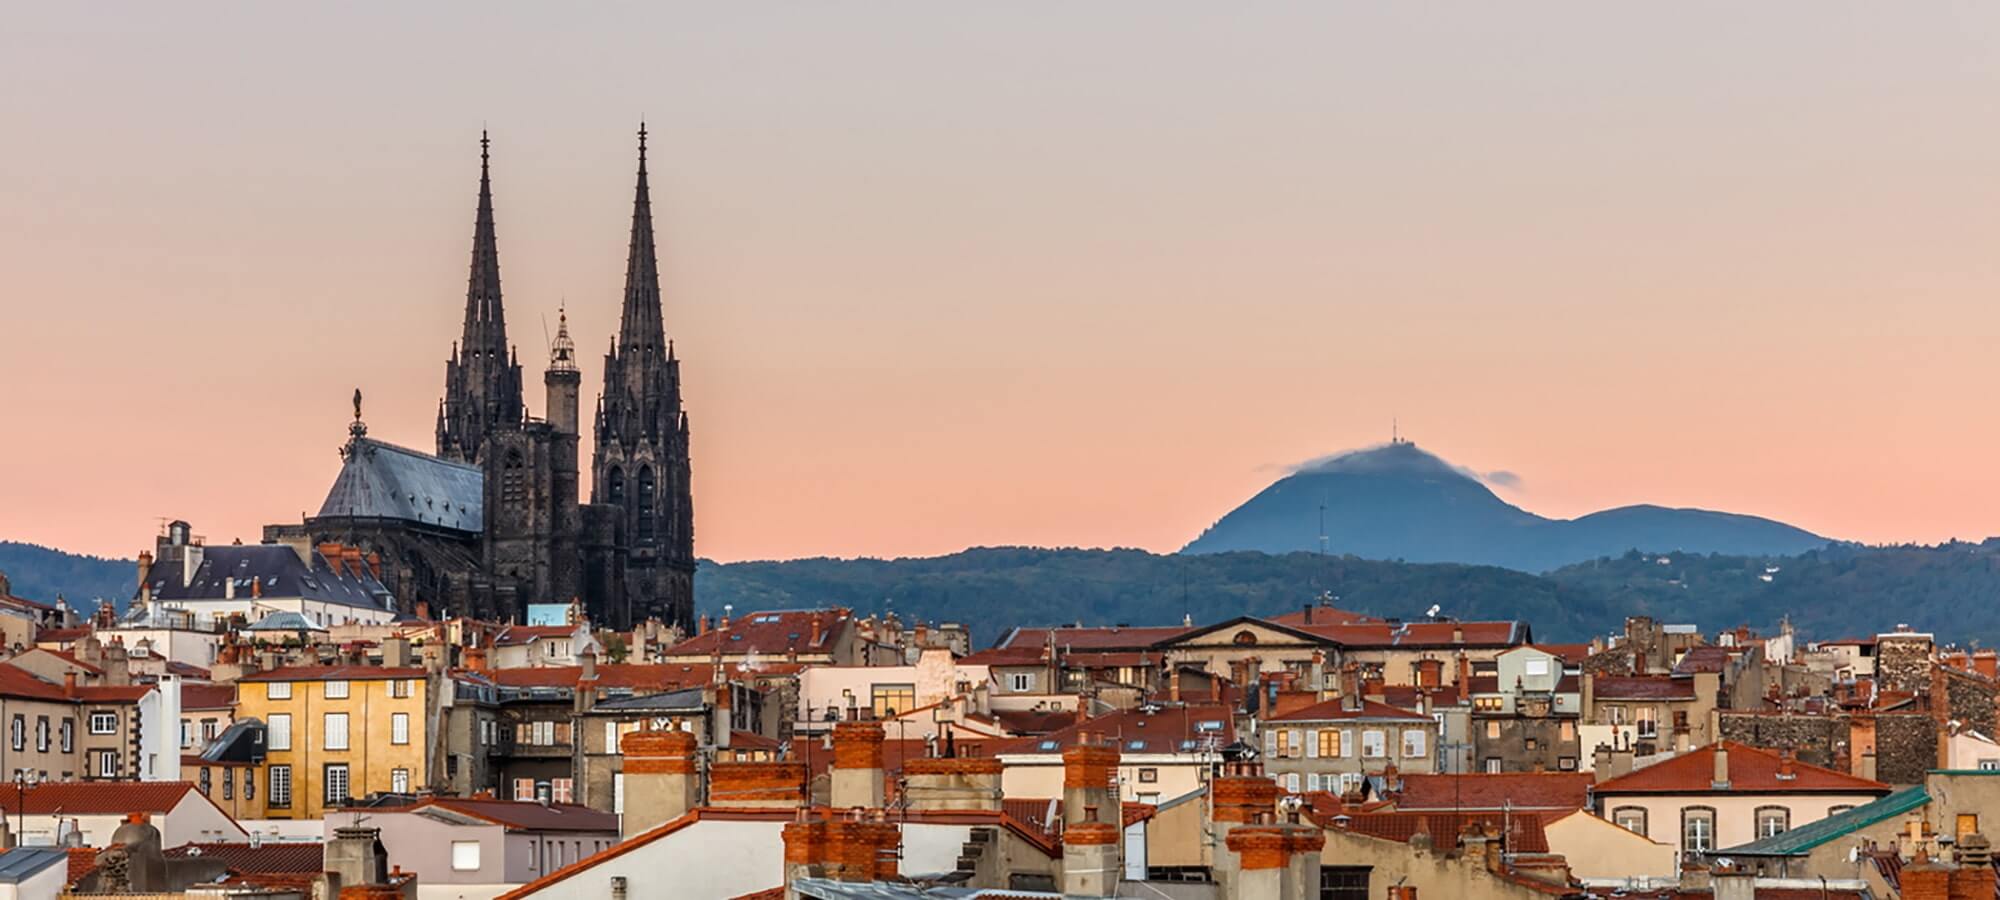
640,326
482,385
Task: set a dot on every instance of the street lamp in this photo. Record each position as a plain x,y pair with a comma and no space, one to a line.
29,780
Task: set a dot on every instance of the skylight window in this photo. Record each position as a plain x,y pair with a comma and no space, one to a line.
1208,725
1049,745
1137,745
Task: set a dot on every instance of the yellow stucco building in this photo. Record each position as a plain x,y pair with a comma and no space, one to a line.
335,732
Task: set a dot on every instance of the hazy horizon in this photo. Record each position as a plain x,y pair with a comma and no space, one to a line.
954,276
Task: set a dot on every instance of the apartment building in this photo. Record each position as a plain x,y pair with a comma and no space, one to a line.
338,732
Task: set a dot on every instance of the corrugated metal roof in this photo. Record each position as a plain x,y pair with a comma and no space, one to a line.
21,863
384,481
1798,841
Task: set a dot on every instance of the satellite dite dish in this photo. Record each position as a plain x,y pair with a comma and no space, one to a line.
1434,610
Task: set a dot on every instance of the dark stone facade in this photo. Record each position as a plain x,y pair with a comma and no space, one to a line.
1971,700
517,533
1906,747
1817,739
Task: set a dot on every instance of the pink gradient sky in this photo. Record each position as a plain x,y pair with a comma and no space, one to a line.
1087,274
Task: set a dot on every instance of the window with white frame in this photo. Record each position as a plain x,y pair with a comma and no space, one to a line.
280,794
524,788
562,790
336,784
1630,818
335,729
107,763
336,690
1647,721
1024,682
68,732
278,732
1697,829
399,728
1535,667
103,723
1413,743
465,856
1374,744
399,687
278,690
399,781
42,734
1773,821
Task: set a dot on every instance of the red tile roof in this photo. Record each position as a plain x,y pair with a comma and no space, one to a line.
1110,637
517,635
90,798
1705,659
1752,770
652,677
208,696
1162,730
1018,655
112,693
18,682
527,815
1421,634
1336,709
1525,835
337,673
769,632
1524,790
82,861
62,635
289,857
1641,687
1034,722
1570,653
1322,615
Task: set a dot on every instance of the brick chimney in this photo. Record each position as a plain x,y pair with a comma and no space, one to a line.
961,783
661,779
1275,862
857,765
1926,879
1974,878
759,785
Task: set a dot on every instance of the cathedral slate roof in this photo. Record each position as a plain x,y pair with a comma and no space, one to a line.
380,480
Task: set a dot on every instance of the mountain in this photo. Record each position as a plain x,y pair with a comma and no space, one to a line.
1399,502
1841,590
42,573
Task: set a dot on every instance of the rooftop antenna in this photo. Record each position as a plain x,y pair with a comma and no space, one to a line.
1395,435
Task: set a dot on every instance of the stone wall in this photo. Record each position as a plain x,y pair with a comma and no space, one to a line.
1815,738
1903,663
1971,701
1905,747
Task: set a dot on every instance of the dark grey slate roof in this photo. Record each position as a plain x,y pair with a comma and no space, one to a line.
384,481
684,699
280,571
283,620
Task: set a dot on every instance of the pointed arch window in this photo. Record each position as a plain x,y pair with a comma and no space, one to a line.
614,486
514,478
646,511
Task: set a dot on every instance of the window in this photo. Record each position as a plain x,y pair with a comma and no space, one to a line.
335,730
203,780
42,734
208,730
1149,776
1292,782
562,790
68,732
1349,781
614,486
1773,821
1329,743
1344,883
228,782
399,687
1283,745
249,785
1023,682
890,699
1492,730
107,763
1489,703
336,784
1630,818
1697,829
336,690
187,733
1647,720
17,732
464,856
399,728
524,788
1989,765
1968,823
278,690
1535,667
514,479
646,492
1374,744
399,781
278,732
1492,765
1413,744
1614,715
280,794
103,723
1568,731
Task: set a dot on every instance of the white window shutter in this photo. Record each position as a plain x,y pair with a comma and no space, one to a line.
1270,742
1312,746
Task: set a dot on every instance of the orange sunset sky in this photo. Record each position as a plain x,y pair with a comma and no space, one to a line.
1054,274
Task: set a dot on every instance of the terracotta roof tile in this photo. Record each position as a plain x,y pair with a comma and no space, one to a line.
1752,770
208,696
1479,791
275,857
527,815
1335,709
88,798
337,673
1641,687
1168,729
769,632
1444,828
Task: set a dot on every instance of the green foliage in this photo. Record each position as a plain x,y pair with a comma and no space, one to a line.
40,573
1834,592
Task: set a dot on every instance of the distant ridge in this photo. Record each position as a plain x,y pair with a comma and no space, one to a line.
1398,502
43,573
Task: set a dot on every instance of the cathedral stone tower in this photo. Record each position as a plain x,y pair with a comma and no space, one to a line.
482,382
640,465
